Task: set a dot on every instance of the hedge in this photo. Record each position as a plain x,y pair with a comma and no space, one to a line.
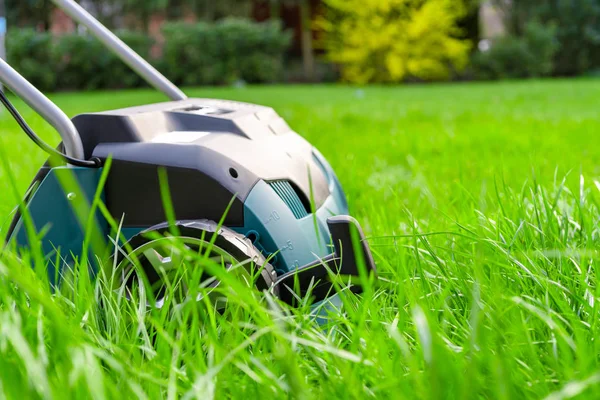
194,54
512,57
84,62
224,52
74,62
31,54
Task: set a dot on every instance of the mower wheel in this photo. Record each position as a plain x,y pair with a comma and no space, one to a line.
166,259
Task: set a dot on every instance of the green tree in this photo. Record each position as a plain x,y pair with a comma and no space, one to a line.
29,12
305,21
36,13
107,11
144,9
210,10
577,29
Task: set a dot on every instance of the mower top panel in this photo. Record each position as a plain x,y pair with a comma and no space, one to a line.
211,148
152,123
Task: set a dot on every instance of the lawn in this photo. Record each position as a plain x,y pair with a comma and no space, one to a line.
480,202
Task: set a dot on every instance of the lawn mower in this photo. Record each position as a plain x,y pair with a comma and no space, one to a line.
241,183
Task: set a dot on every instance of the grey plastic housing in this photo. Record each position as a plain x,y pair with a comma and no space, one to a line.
214,152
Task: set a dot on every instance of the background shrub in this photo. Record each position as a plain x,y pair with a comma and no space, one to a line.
194,54
73,61
531,55
576,27
31,53
393,40
84,63
224,52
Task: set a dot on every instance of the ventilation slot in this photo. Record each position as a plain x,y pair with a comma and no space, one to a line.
289,196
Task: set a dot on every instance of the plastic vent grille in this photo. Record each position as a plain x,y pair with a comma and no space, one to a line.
289,196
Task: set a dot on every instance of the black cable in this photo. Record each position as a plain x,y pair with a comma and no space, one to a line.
93,163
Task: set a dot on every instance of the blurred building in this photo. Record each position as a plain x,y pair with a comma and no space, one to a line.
491,20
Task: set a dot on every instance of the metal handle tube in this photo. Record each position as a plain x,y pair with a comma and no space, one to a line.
129,57
45,107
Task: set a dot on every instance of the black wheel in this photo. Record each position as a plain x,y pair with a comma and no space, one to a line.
161,257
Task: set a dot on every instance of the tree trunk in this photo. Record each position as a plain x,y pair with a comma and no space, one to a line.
145,17
275,10
308,58
209,11
470,24
47,14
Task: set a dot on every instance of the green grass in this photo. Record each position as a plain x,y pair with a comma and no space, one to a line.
481,204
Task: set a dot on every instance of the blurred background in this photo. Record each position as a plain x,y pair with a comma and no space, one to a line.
233,42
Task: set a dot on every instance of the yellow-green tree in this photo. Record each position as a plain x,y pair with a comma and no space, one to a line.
392,40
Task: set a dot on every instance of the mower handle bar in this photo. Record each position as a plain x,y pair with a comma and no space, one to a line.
50,111
45,107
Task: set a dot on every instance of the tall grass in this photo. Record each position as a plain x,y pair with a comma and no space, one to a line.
503,308
487,285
